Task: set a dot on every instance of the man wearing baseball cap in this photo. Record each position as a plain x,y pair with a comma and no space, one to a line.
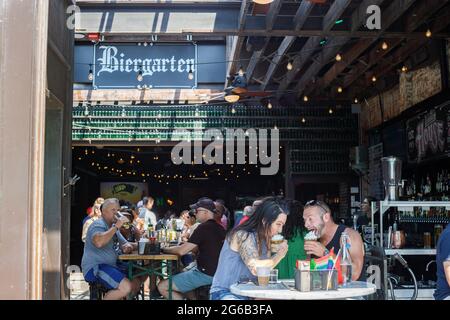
208,240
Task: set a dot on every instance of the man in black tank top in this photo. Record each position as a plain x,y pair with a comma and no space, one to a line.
317,216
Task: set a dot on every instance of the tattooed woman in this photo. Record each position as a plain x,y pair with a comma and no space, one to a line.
248,246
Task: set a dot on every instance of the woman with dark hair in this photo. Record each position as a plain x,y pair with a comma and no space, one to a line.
294,232
248,246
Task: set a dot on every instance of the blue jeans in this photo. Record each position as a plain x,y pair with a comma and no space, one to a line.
226,295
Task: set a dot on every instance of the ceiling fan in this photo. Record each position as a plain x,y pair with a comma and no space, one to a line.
238,90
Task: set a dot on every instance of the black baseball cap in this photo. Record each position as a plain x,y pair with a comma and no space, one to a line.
205,203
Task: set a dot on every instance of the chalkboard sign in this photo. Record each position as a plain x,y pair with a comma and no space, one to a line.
428,134
375,173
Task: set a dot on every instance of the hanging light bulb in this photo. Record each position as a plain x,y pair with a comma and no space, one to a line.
241,71
356,100
330,111
338,57
86,111
305,98
384,46
140,77
91,73
289,66
339,89
303,120
428,34
190,74
374,79
233,110
269,105
404,69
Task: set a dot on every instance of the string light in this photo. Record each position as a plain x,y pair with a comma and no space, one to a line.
241,71
303,120
123,113
338,57
233,110
330,111
384,46
404,69
269,105
305,98
374,79
339,89
356,100
91,73
428,34
289,66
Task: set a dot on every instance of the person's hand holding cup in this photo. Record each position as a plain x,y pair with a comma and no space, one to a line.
276,242
283,248
121,220
127,248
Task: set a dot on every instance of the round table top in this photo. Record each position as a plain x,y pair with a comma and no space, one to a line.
285,290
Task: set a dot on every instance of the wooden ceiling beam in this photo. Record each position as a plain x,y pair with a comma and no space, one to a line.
237,42
413,21
336,10
395,11
271,17
299,20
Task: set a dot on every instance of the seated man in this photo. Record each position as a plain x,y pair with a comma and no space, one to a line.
99,262
208,240
443,266
317,216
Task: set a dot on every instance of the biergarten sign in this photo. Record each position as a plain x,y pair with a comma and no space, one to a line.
122,66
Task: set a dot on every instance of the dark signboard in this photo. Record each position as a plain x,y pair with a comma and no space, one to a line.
428,134
157,65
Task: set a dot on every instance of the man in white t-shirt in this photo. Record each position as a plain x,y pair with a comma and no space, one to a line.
146,212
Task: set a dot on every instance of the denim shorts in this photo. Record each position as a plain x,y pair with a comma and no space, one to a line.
191,279
106,275
226,295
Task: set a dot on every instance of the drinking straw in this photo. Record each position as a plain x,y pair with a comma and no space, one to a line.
331,271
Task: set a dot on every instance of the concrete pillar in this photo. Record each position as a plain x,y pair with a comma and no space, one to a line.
23,61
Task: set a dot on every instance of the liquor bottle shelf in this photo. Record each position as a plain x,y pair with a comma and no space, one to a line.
424,220
410,252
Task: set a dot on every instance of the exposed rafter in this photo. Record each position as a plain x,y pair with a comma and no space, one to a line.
422,12
404,52
395,10
337,8
299,20
271,17
237,41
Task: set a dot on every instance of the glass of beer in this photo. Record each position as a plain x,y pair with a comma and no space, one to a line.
427,240
263,274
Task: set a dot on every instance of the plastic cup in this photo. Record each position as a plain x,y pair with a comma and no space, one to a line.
263,274
141,247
